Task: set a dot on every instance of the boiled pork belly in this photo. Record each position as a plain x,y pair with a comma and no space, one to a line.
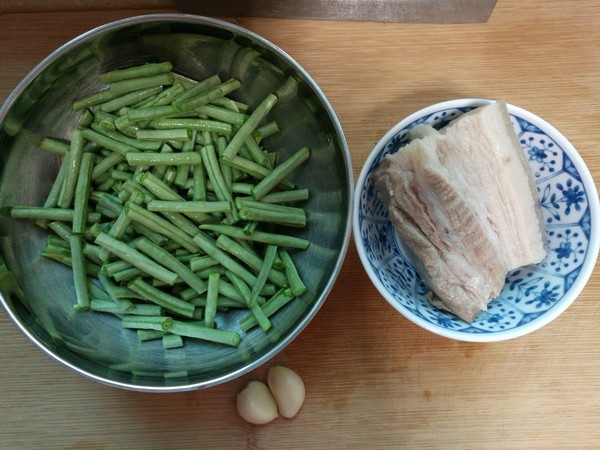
464,201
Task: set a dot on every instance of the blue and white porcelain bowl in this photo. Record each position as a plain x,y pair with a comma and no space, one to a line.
533,295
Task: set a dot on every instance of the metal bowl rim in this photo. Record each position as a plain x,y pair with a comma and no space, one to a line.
193,19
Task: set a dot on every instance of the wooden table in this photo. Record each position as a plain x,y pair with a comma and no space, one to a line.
374,380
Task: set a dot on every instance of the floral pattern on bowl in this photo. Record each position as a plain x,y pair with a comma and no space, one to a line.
533,295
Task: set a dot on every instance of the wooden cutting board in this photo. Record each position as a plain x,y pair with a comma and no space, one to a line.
373,379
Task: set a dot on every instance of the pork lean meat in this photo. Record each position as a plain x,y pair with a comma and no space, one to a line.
464,201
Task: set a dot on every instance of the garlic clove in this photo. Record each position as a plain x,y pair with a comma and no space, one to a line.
288,389
256,404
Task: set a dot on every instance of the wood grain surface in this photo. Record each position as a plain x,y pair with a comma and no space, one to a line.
373,379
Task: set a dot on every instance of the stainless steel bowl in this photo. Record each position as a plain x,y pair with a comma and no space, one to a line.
38,294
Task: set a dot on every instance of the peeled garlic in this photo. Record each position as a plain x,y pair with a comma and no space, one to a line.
288,389
256,404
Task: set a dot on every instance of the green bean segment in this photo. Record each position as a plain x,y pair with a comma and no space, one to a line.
162,159
189,206
136,72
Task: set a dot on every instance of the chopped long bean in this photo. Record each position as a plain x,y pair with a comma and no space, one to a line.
212,294
162,159
167,301
135,258
293,195
171,262
79,273
198,331
54,146
265,131
172,341
107,142
253,169
223,114
199,88
204,98
297,286
253,304
106,164
131,141
270,254
279,173
249,257
256,153
35,212
278,301
270,216
134,84
151,113
109,306
209,247
74,157
166,96
192,124
93,99
149,335
158,323
282,240
189,206
54,195
177,134
80,207
202,262
135,72
249,126
159,225
209,159
129,99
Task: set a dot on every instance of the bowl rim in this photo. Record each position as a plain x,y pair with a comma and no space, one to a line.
336,124
594,241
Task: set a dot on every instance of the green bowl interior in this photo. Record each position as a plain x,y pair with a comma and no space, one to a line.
39,294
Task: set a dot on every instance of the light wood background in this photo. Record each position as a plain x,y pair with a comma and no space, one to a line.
374,380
